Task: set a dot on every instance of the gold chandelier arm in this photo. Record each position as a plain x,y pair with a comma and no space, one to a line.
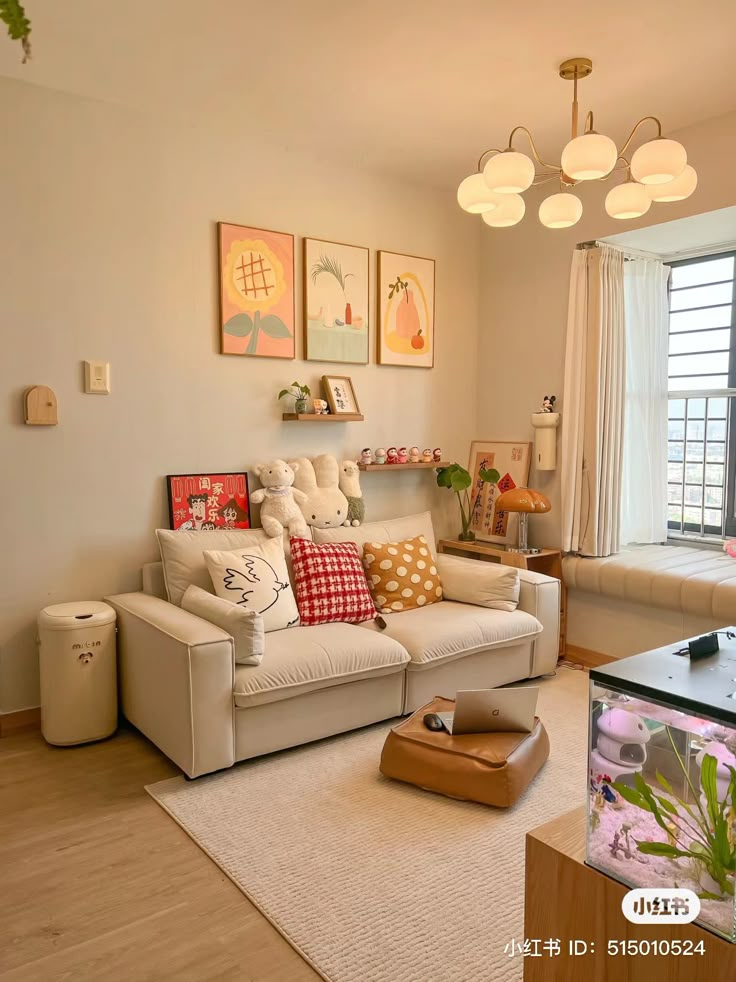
485,154
542,163
540,179
644,119
589,122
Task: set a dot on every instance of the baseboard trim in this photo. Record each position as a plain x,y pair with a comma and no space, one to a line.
20,721
587,657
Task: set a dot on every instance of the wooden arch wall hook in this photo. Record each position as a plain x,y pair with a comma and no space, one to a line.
40,404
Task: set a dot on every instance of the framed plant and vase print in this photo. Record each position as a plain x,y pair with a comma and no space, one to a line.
405,310
208,501
340,395
336,305
512,461
256,272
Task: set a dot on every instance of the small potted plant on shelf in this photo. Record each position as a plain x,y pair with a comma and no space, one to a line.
457,479
299,393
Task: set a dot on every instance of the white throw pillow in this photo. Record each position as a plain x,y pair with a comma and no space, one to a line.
182,555
256,578
392,530
245,627
477,582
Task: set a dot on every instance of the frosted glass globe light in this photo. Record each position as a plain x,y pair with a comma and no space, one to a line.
679,189
658,161
509,172
510,211
475,196
629,200
589,157
560,210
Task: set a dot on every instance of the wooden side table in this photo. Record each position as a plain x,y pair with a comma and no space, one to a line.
547,561
569,901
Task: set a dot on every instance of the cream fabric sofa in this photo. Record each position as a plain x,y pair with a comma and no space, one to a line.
180,685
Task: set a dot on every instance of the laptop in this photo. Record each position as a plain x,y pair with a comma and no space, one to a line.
492,711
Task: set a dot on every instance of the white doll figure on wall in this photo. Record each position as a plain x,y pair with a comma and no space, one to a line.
350,487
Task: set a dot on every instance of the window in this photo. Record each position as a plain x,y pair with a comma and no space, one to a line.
701,469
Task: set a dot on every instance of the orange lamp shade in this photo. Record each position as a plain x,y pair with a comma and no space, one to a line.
523,500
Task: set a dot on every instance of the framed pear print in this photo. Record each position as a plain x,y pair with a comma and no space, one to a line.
405,310
336,312
256,291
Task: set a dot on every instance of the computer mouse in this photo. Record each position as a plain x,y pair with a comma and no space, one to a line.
433,722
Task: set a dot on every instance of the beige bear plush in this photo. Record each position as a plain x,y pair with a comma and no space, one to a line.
350,487
281,503
325,506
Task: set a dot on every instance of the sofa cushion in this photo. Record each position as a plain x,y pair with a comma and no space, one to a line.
301,659
245,627
330,583
476,582
449,630
182,555
256,578
389,531
402,574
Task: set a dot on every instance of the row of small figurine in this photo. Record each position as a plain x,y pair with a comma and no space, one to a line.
400,456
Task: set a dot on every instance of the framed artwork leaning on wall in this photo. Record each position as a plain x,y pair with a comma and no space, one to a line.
512,460
340,394
208,501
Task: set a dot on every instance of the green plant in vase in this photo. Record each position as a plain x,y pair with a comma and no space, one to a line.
299,393
704,832
332,267
457,479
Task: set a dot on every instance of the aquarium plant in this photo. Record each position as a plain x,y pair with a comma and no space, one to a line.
457,479
299,393
704,832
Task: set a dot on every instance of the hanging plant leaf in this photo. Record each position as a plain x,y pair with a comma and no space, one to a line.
274,327
239,326
19,27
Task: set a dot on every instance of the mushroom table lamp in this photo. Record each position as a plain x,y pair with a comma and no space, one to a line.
524,501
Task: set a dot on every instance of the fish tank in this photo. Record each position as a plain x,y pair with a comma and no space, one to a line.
662,776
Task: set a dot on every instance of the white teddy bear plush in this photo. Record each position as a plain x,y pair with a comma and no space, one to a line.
281,502
325,505
350,487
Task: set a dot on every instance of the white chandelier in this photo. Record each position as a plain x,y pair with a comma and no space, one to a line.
657,171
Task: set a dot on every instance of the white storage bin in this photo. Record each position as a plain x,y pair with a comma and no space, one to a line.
79,693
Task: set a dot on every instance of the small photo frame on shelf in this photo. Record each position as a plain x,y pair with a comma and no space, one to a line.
340,395
199,502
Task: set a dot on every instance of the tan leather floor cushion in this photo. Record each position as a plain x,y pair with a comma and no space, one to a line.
491,768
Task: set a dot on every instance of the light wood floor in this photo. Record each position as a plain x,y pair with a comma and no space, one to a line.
98,883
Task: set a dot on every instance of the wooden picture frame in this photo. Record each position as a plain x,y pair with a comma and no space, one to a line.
257,302
512,459
340,395
336,302
222,501
405,337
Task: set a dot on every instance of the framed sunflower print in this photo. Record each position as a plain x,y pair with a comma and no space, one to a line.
256,272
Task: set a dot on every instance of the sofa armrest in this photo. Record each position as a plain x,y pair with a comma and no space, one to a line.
540,595
176,681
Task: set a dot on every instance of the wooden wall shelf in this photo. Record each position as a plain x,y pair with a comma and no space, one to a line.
322,418
404,467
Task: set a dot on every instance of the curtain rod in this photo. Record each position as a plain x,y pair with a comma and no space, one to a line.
629,254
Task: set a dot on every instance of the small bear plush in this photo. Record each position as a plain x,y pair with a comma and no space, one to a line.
281,502
350,487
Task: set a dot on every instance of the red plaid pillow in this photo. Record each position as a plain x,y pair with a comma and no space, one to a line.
330,583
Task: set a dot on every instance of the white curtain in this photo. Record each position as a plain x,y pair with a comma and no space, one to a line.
644,490
593,411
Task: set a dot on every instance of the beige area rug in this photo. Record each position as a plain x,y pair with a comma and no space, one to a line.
376,881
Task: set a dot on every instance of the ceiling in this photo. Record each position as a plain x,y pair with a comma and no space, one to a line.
707,232
416,89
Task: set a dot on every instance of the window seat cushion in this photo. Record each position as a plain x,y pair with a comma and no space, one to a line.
696,581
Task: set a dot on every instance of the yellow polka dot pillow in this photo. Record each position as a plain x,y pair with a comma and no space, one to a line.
401,575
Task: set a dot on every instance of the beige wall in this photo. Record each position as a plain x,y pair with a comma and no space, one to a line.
108,252
524,287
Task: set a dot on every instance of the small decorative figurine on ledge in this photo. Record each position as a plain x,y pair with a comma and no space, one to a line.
548,404
320,407
437,455
380,456
427,456
392,457
403,456
414,455
366,456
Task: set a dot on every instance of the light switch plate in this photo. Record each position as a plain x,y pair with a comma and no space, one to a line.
97,377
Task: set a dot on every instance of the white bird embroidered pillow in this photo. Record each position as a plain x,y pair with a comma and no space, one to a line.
256,579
